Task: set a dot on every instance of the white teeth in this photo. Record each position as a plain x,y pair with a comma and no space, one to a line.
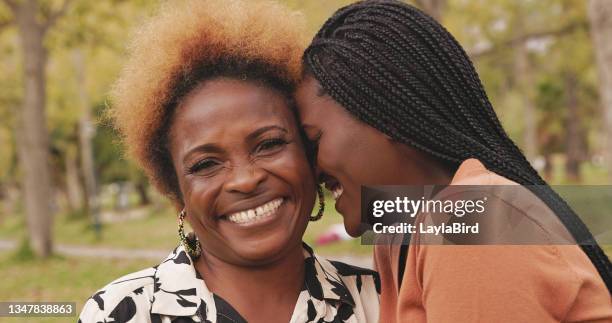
255,214
337,192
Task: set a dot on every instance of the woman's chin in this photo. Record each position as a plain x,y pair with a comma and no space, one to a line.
265,251
353,225
355,230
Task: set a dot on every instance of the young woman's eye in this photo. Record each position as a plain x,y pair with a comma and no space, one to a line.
202,165
313,143
270,145
316,139
312,147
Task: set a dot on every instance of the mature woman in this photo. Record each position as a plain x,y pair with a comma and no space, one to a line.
204,105
390,97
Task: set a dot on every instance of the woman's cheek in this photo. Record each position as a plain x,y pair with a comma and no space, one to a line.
293,169
291,165
202,203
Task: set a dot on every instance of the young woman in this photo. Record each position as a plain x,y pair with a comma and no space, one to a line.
204,105
390,97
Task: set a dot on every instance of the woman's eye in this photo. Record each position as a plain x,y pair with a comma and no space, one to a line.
313,146
270,144
203,165
316,139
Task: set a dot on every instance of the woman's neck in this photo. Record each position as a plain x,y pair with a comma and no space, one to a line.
418,168
251,289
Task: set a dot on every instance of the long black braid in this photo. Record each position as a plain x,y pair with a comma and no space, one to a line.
398,70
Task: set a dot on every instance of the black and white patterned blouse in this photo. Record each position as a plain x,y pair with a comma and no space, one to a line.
173,291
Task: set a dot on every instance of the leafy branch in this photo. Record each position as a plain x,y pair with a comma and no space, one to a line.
513,42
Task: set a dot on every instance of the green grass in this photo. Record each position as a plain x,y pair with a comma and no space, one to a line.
58,279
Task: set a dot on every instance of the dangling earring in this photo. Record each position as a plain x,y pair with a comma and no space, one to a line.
190,242
321,204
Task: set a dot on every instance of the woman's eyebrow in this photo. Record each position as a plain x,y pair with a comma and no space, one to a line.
253,135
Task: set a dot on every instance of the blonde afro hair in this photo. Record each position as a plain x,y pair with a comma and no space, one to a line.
190,41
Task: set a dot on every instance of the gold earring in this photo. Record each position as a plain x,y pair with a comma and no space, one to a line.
321,204
190,242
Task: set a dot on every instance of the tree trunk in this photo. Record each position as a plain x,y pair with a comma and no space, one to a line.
525,84
574,151
74,192
86,133
548,167
434,8
600,16
143,193
33,149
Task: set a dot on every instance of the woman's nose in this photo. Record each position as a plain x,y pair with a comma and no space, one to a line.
245,179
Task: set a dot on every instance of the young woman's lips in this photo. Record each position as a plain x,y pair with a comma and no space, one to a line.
334,187
256,216
337,191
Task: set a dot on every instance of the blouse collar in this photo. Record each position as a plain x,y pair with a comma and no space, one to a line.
179,290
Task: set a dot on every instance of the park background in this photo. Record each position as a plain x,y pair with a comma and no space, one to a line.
546,65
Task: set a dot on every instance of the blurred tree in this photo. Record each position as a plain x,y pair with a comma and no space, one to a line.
86,131
574,153
519,44
10,100
73,187
524,76
550,126
600,15
111,162
570,58
434,8
317,12
87,55
33,20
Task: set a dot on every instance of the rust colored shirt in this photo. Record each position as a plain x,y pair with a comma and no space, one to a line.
492,283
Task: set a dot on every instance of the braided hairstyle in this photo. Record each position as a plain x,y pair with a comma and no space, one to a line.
401,72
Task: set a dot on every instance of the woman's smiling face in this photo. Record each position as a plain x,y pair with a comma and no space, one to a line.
350,153
247,187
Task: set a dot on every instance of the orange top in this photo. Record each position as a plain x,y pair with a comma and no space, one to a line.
491,283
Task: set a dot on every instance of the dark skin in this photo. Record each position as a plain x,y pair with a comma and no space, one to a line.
235,146
352,153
